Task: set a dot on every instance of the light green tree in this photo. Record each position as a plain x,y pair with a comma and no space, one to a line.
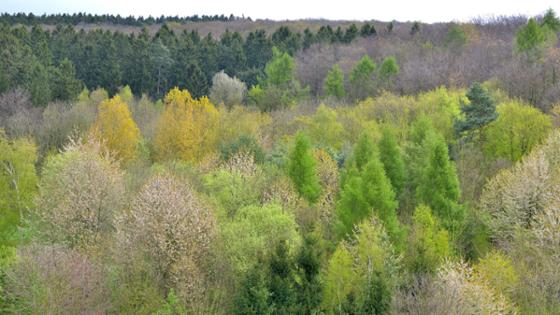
391,156
439,185
302,169
517,130
18,184
429,243
334,83
361,77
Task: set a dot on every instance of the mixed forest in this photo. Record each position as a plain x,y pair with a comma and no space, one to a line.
224,165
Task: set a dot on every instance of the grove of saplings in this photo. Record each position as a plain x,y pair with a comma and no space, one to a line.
390,168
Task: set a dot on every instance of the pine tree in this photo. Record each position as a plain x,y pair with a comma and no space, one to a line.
334,83
302,169
391,157
480,111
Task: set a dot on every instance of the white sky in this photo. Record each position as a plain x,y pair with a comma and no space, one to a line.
383,10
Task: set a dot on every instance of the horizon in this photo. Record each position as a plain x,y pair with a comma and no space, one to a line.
431,11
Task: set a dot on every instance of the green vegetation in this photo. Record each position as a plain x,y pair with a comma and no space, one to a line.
336,170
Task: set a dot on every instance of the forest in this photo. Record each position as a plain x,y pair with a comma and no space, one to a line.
225,165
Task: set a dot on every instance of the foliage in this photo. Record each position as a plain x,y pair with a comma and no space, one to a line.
391,157
187,129
517,130
323,128
530,37
361,77
175,230
226,90
80,192
253,231
429,243
302,169
334,83
365,193
55,280
17,184
439,186
480,111
115,128
360,276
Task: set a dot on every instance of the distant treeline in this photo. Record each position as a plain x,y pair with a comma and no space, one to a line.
41,61
77,18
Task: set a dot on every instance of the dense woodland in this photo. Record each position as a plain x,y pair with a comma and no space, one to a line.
354,168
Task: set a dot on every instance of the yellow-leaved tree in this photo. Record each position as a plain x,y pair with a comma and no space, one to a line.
116,129
187,129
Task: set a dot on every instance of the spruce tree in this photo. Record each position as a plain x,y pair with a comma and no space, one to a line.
480,112
302,169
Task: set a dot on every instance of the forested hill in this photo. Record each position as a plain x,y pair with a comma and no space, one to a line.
187,52
305,167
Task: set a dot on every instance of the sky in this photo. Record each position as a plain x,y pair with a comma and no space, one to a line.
382,10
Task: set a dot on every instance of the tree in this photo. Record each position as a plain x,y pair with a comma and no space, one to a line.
388,70
65,85
308,261
187,129
415,28
253,231
429,243
253,296
393,163
439,186
302,169
517,130
226,90
323,128
360,275
334,83
455,38
529,38
361,77
479,112
365,193
115,128
516,197
17,184
169,224
551,21
80,192
281,277
280,69
53,279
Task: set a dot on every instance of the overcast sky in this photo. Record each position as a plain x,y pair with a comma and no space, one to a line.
383,10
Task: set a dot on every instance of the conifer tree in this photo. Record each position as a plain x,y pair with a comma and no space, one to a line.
429,243
302,169
391,157
439,186
480,111
334,83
